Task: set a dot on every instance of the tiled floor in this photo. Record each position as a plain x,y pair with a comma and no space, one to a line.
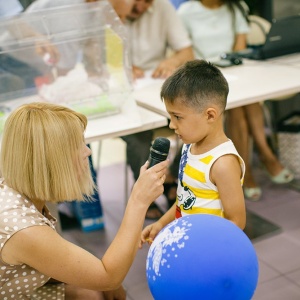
278,253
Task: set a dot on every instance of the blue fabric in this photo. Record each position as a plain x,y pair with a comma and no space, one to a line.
10,8
177,3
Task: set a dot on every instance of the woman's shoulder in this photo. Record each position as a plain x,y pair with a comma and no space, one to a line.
6,192
241,8
13,203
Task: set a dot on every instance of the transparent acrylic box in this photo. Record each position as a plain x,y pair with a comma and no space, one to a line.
73,55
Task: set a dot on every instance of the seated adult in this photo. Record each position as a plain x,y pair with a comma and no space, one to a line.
154,28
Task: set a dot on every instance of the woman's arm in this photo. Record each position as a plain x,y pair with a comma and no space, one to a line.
240,42
43,249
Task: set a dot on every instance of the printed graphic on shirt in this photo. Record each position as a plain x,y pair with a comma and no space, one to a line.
187,198
195,193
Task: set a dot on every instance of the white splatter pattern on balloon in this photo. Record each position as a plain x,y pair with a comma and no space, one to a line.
173,236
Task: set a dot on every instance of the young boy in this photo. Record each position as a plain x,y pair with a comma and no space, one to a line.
211,171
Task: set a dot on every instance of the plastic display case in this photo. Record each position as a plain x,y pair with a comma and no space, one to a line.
75,56
72,55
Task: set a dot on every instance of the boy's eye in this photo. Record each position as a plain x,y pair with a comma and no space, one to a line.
177,117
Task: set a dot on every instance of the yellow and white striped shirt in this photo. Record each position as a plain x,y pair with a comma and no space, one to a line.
196,194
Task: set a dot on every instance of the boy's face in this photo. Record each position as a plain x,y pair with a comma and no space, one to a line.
190,125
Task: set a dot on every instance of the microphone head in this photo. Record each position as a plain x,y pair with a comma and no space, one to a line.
159,150
161,144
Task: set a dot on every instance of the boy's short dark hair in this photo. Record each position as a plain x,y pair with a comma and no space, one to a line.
197,84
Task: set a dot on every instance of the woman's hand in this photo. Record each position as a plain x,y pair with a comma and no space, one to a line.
149,185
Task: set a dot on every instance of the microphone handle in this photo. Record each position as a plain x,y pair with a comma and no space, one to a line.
153,161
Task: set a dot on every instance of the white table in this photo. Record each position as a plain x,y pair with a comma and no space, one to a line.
291,60
254,81
131,119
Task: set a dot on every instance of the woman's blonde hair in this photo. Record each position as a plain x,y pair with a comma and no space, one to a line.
41,153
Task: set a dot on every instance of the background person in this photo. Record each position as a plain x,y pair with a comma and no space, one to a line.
216,27
154,28
44,159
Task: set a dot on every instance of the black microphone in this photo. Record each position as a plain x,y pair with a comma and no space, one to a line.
159,151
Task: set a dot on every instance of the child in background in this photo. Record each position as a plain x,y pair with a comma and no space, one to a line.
211,171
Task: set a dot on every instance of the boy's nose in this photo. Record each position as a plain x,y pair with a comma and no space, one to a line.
171,126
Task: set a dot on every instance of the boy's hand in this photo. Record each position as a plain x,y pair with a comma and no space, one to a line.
149,233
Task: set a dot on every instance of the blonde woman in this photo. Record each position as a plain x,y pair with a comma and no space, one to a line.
44,159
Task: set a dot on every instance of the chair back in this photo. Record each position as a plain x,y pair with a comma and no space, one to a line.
259,28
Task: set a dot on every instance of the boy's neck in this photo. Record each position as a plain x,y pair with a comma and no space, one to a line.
215,138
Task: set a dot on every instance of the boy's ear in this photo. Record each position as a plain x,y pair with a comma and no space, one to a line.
211,114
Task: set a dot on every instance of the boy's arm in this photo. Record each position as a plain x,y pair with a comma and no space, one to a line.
168,217
226,175
150,232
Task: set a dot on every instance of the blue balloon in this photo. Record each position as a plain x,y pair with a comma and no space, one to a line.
202,257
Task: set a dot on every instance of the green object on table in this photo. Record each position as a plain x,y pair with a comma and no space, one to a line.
95,106
4,112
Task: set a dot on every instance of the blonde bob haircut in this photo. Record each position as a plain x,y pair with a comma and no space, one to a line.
41,154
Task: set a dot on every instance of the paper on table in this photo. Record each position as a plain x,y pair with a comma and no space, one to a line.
147,80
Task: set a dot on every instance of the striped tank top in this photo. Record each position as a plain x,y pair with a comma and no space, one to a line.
196,194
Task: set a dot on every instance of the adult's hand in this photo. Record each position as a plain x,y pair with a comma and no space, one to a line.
149,185
42,44
169,65
137,72
165,69
47,50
